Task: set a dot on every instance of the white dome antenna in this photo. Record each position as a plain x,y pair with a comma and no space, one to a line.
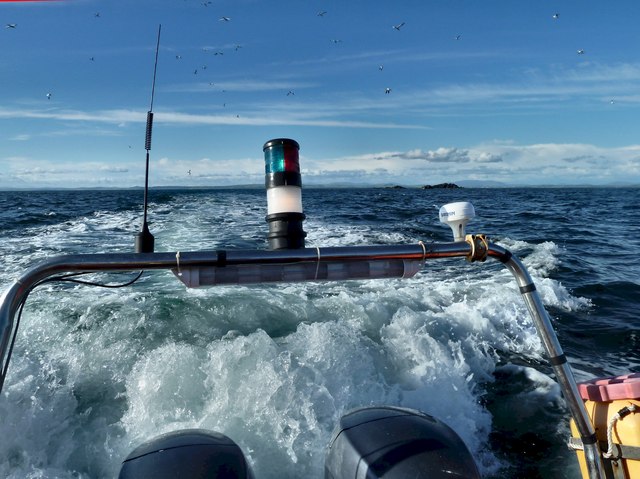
457,215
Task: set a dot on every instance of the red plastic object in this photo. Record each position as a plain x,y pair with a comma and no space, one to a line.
612,388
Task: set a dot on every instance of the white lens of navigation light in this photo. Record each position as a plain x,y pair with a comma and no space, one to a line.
284,199
457,215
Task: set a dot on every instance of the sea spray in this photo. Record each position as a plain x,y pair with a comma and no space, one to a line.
95,372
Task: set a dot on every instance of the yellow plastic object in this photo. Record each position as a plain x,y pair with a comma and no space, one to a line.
604,398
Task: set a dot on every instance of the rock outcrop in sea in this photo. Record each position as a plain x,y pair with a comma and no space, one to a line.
440,185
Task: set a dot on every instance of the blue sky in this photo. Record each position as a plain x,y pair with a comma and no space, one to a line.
487,91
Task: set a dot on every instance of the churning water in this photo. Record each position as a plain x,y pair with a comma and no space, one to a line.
97,371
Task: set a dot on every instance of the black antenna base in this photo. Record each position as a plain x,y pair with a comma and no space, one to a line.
144,240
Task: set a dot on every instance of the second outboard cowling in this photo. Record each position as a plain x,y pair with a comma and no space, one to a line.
392,442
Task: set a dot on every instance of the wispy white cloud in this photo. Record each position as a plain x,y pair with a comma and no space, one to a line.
113,169
108,116
21,137
30,172
242,85
124,116
533,88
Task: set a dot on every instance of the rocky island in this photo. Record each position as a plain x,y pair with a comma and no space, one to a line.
440,185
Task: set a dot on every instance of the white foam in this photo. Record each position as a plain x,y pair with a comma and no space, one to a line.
273,367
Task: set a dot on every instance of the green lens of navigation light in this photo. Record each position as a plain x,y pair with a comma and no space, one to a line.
281,155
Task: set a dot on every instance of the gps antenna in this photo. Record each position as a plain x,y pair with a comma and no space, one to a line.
144,239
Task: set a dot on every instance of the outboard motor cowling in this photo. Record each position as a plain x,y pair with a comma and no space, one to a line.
392,442
190,453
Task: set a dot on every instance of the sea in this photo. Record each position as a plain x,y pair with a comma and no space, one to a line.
96,371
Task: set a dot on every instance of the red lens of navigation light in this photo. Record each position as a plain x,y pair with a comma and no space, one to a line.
291,158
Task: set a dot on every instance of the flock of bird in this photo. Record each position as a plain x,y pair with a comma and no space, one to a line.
321,13
225,19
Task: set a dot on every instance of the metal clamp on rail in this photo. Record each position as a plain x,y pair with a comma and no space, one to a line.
479,247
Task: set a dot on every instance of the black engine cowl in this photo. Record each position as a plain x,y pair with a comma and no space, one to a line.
190,453
391,442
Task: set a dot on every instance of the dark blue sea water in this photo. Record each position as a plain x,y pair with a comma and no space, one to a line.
97,371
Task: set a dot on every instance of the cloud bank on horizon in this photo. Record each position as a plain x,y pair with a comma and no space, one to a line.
483,94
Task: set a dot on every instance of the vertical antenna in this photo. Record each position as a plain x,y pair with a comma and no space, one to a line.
144,240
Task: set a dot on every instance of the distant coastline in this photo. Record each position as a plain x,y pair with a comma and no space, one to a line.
446,186
260,186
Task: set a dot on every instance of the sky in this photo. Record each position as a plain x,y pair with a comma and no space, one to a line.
415,92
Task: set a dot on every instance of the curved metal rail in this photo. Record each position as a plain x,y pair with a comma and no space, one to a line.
475,248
